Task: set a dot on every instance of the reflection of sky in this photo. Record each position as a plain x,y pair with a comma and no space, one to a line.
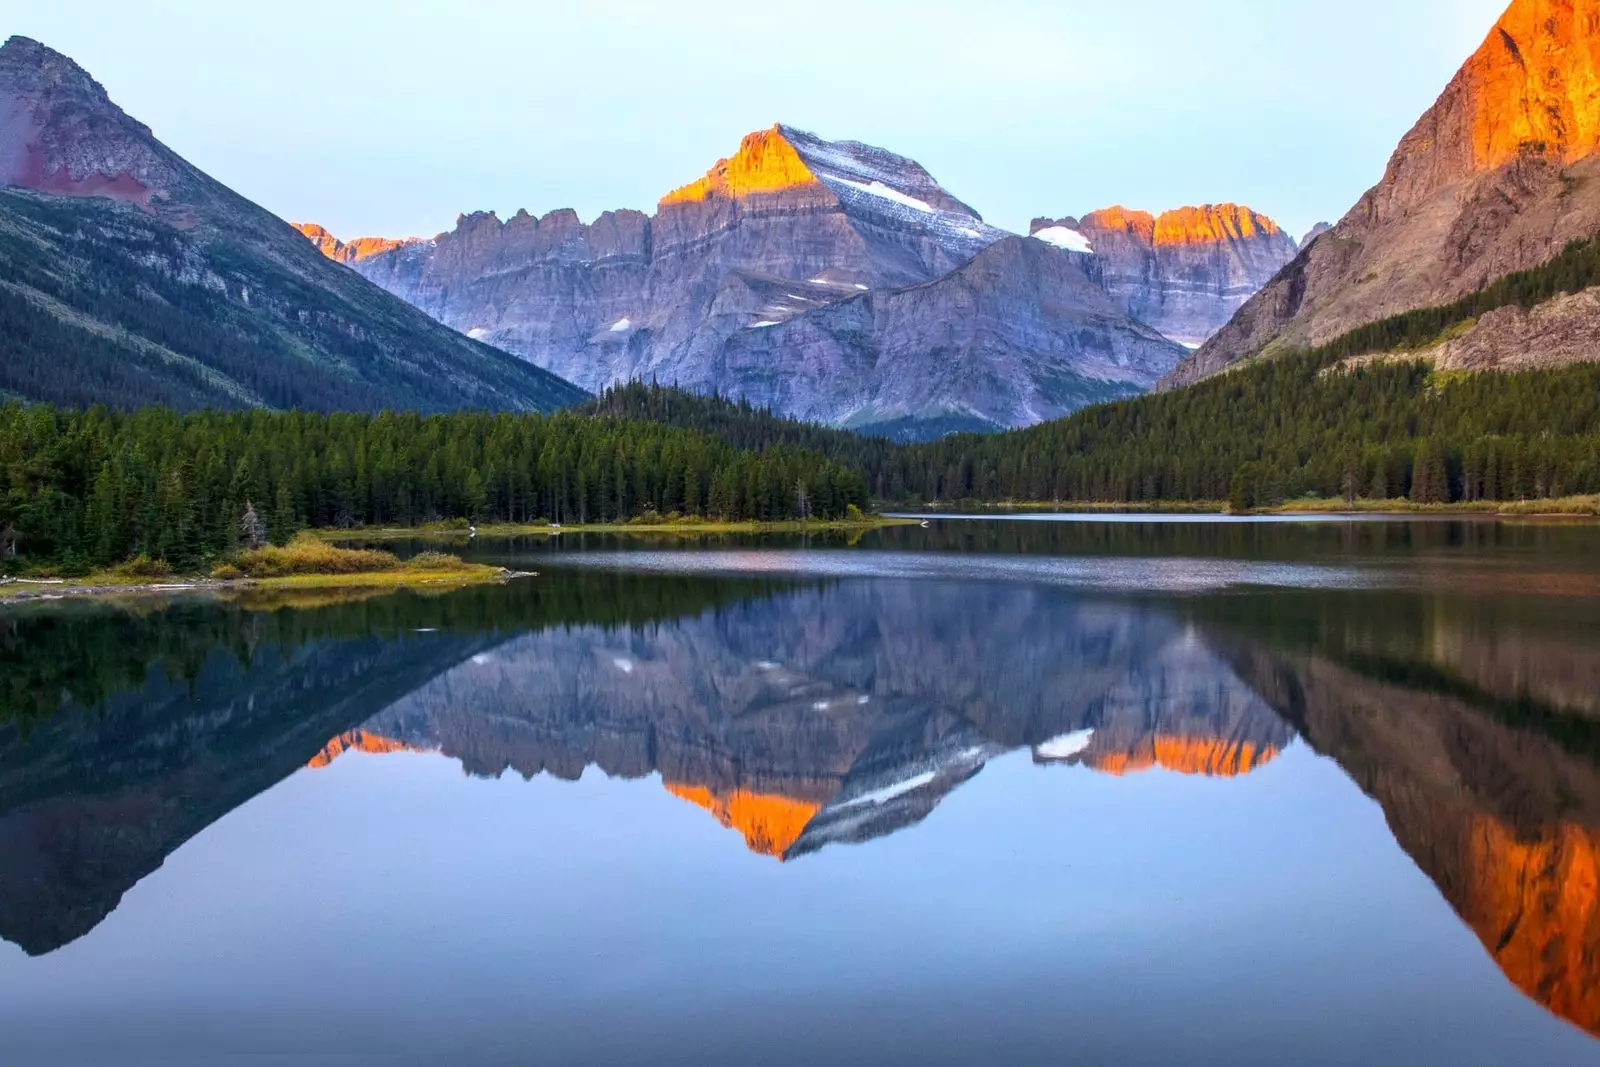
389,905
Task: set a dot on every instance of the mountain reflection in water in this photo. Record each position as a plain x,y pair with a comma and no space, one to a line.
805,715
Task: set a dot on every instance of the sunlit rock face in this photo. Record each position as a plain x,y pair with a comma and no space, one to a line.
1183,272
1504,820
339,251
1496,177
831,280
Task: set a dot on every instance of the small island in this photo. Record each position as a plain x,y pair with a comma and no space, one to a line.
306,562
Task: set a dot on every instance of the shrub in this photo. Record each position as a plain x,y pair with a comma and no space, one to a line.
434,561
226,572
307,555
143,568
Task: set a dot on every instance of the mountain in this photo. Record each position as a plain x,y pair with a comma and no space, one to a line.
1316,231
832,281
128,276
1183,272
1497,177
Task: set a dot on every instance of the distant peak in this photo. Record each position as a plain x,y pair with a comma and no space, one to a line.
1212,224
347,252
1316,231
766,162
1194,225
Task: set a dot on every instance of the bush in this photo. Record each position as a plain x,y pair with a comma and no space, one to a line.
434,561
142,568
226,572
307,555
853,514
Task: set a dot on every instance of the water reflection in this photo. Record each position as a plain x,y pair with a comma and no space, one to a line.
840,713
806,715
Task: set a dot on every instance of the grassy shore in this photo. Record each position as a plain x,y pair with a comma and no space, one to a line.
1561,507
305,564
663,528
1073,507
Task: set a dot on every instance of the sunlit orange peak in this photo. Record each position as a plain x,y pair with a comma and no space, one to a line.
765,163
1140,224
1532,85
352,251
356,741
770,824
1211,224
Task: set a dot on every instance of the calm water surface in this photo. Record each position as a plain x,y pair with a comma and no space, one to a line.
1069,792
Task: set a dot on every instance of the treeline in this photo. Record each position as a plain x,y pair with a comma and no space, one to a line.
738,422
1575,269
97,487
1286,428
1263,434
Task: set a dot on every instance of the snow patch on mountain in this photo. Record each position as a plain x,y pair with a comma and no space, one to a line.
1065,237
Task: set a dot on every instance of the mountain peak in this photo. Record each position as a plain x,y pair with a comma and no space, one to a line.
766,162
1527,92
64,135
352,251
1212,224
28,65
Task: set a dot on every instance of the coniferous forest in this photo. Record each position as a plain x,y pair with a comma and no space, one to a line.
1278,429
97,487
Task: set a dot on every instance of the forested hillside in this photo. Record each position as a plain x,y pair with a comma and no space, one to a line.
1266,433
1285,428
97,487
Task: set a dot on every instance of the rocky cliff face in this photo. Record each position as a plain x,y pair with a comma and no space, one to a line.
134,277
786,275
1183,272
1496,177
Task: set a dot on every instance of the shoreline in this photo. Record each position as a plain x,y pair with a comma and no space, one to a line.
1584,507
504,531
36,590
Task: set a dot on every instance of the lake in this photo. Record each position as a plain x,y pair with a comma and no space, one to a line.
1108,791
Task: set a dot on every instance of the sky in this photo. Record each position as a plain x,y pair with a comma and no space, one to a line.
391,117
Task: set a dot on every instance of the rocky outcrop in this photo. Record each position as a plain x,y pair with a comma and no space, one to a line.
1184,272
1496,177
133,277
1559,332
785,275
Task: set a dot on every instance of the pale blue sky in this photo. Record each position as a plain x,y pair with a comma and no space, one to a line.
391,117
